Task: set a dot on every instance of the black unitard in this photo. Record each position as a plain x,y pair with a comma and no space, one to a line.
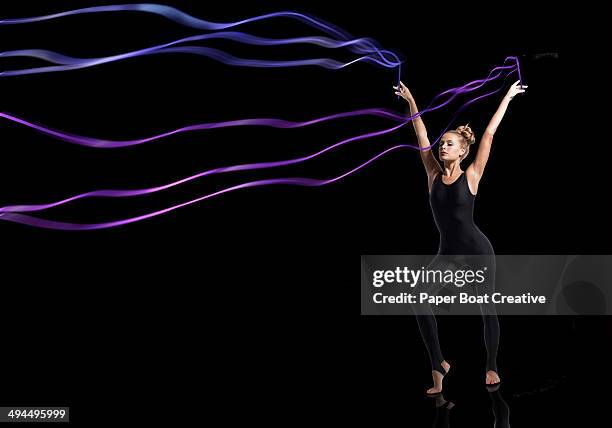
462,242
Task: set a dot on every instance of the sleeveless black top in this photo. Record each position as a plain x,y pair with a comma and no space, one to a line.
452,206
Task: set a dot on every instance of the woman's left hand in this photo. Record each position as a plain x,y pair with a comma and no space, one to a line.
516,88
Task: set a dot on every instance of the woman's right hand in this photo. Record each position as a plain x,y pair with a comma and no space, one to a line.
516,88
403,92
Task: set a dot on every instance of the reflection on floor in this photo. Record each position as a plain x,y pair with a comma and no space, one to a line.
523,399
500,409
519,401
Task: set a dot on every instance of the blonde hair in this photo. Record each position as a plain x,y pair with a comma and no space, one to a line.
468,137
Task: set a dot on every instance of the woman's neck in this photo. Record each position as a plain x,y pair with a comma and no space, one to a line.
452,168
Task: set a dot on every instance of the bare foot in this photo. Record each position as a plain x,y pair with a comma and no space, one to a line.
437,379
492,378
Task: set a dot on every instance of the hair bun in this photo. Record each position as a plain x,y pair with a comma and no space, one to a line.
467,133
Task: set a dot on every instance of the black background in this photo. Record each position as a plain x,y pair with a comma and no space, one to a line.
256,289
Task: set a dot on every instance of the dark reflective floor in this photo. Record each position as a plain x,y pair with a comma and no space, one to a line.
499,408
519,401
553,372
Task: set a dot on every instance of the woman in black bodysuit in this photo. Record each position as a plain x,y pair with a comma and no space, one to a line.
451,195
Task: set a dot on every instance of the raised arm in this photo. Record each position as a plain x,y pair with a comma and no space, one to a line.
432,166
484,147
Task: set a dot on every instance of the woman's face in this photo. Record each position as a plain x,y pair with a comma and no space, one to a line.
450,147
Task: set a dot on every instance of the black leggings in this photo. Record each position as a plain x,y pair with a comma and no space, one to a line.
427,320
